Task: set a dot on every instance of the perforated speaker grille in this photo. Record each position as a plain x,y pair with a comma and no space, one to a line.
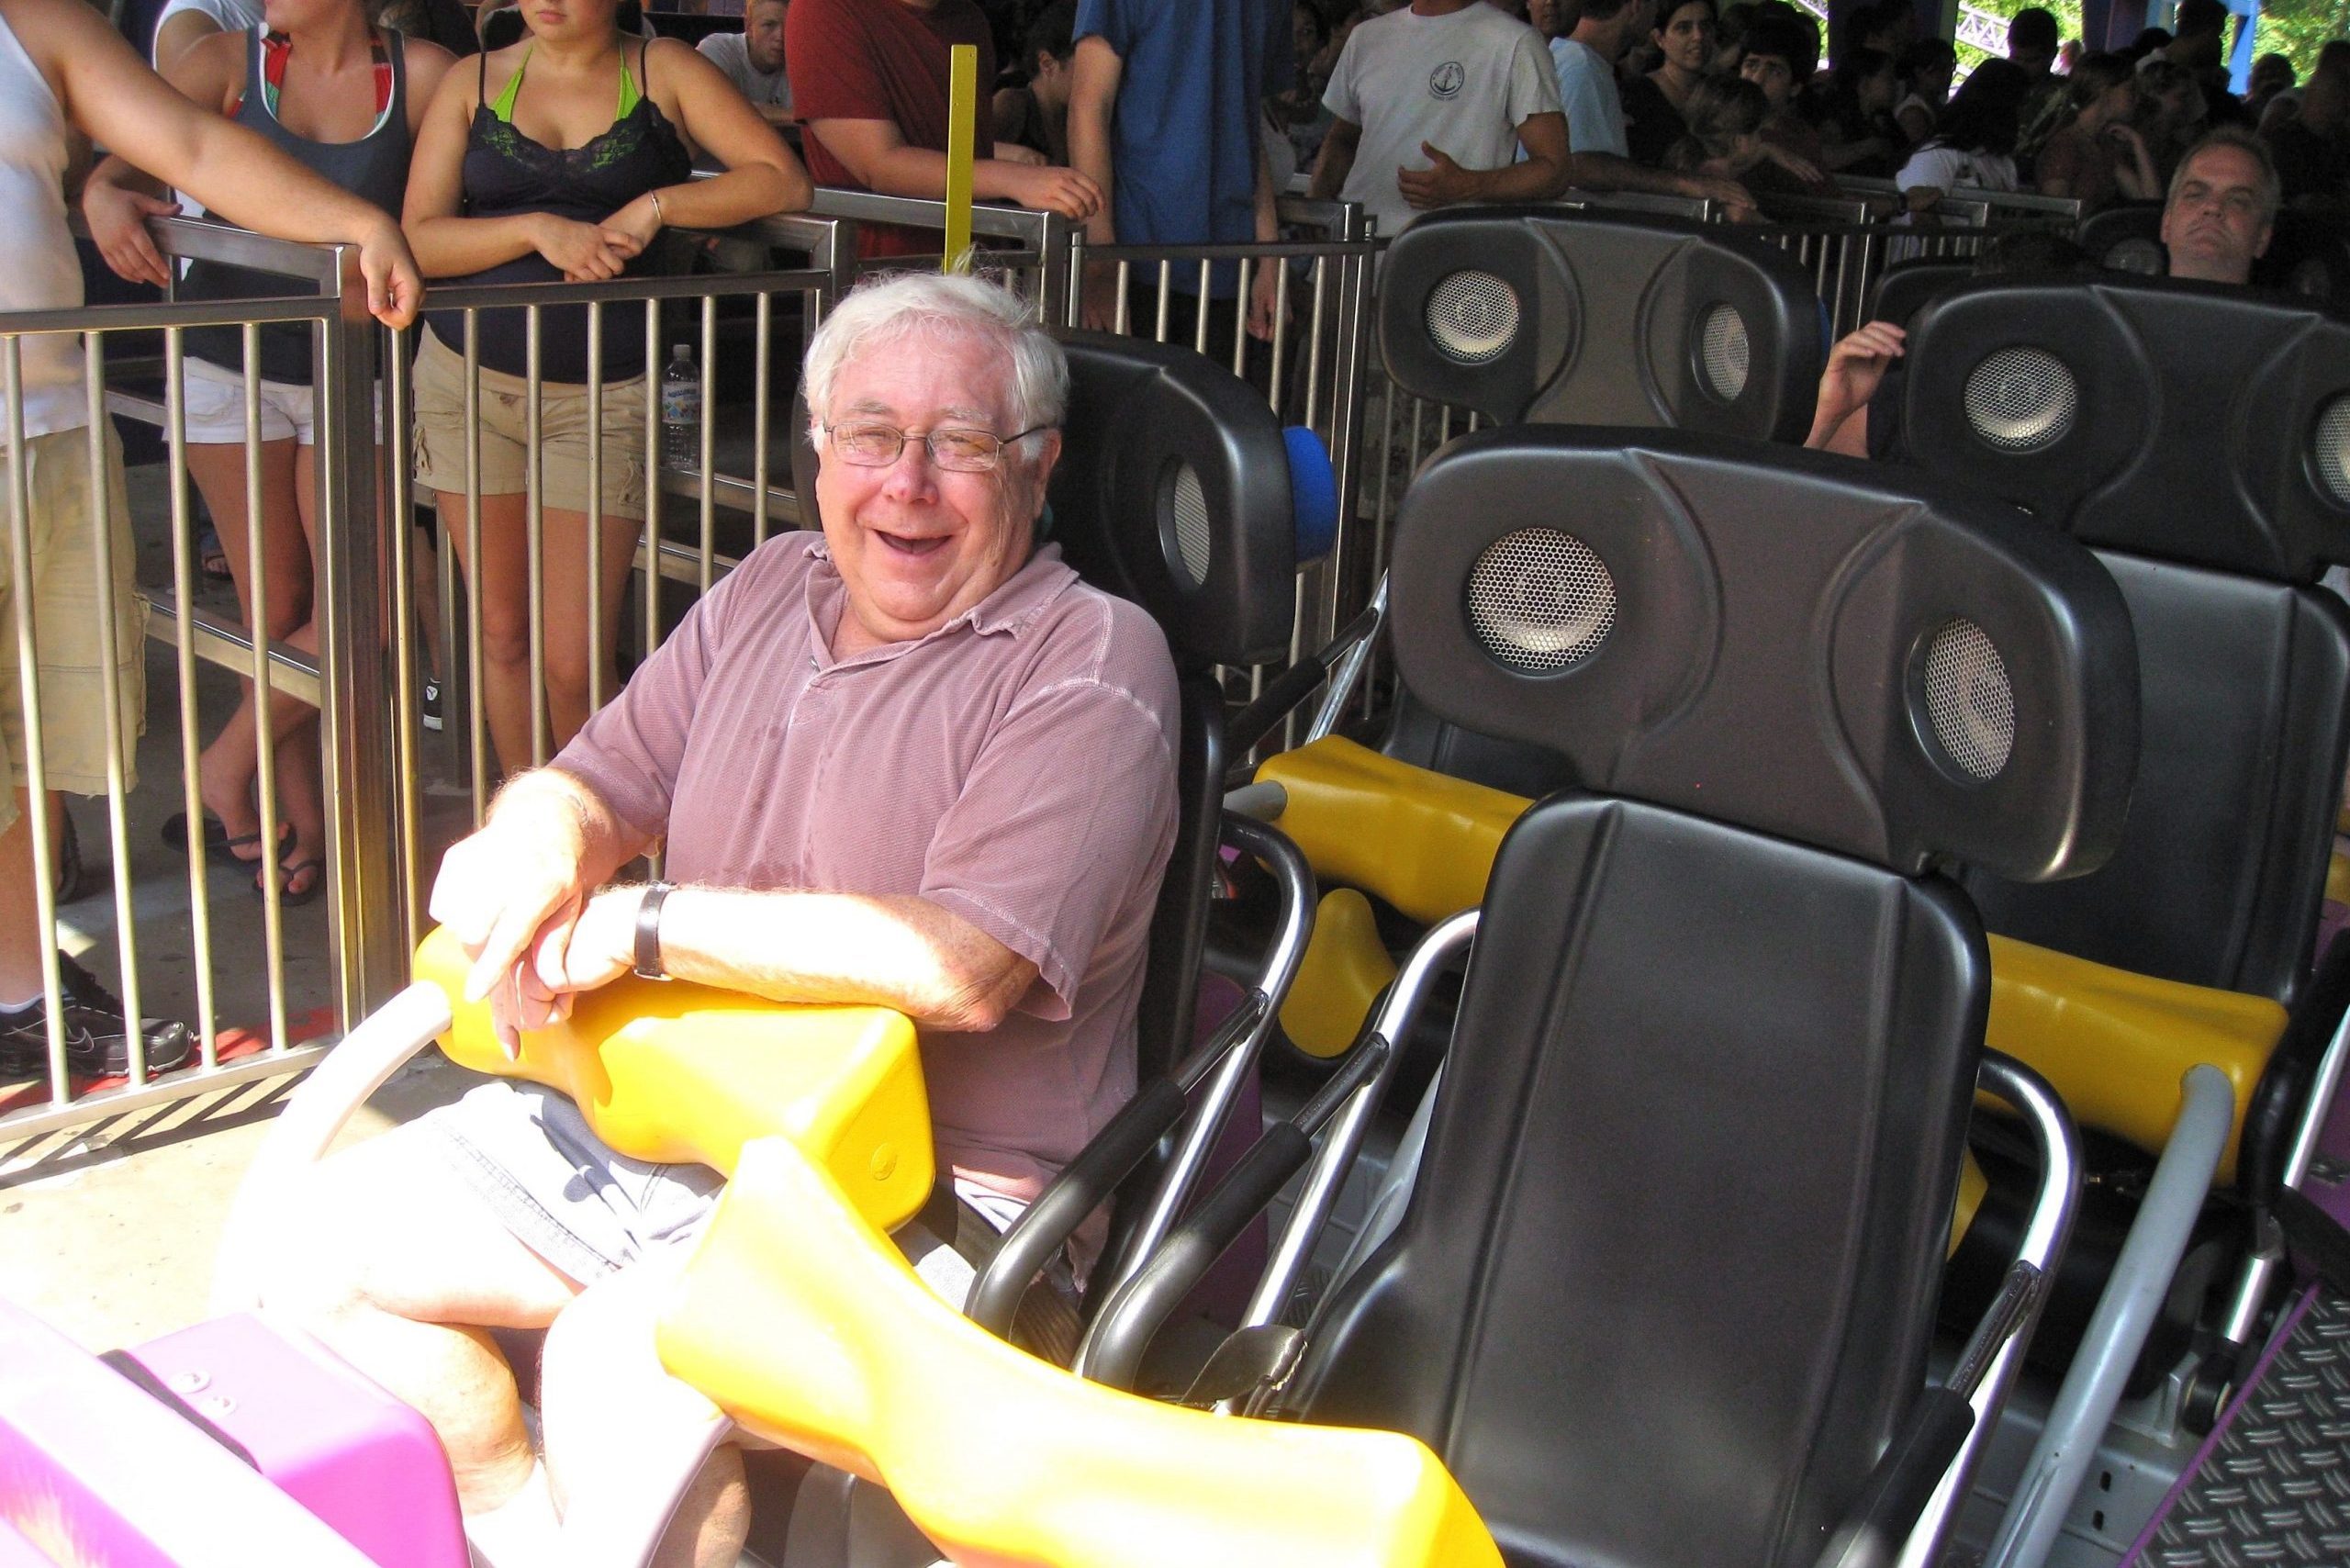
1473,317
2139,255
2332,446
1722,352
1193,540
1969,702
2021,399
1540,600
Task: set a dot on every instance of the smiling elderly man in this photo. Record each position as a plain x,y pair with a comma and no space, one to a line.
910,761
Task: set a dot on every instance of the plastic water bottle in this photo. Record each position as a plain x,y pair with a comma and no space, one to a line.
681,409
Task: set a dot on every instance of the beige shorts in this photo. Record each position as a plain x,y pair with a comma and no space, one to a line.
440,444
69,638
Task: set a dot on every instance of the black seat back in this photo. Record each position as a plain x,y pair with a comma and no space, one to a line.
1903,289
1664,1284
1172,491
2126,238
2198,438
1553,315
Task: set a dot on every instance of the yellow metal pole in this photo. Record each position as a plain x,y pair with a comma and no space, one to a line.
962,134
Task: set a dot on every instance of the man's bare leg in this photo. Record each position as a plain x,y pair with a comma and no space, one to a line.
402,1269
613,1415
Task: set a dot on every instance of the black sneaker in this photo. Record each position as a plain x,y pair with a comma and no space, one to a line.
98,1043
430,704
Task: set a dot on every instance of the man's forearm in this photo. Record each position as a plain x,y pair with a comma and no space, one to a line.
1330,170
1606,172
556,809
1537,179
236,174
895,951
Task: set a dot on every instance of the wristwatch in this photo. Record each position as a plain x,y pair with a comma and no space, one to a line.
648,932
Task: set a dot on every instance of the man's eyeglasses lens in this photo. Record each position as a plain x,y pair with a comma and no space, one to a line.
877,446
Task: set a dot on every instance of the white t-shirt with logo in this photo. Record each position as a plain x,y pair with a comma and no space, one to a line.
1463,83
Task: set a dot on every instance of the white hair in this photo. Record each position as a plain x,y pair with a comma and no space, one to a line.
889,310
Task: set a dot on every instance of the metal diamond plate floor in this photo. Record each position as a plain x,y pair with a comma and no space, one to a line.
2276,1490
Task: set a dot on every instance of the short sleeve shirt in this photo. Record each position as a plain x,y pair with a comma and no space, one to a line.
1463,83
882,60
1587,92
731,52
1015,767
1183,132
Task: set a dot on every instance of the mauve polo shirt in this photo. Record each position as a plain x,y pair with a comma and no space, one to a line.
1017,765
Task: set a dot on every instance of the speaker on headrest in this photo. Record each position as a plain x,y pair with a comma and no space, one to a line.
1551,315
1173,490
1846,655
2181,421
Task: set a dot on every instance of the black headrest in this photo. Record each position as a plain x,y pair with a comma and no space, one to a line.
1172,491
2126,238
1551,315
2309,257
1904,288
2182,420
1847,655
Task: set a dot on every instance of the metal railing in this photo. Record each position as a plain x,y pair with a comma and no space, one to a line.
364,679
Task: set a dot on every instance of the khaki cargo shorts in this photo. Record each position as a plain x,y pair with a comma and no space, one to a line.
70,641
440,439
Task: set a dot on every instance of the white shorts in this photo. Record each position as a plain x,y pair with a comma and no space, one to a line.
215,399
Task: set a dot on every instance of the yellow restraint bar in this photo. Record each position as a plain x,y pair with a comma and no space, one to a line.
800,1318
805,1324
672,1072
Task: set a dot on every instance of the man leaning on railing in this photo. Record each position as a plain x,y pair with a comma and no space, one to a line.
61,66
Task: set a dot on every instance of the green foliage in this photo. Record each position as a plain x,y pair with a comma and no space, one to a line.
2066,12
2298,28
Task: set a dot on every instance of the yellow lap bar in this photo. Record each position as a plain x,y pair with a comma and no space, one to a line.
672,1071
1344,968
804,1323
2115,1045
1421,841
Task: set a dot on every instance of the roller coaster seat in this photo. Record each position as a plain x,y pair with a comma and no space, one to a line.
1721,1023
2307,255
1552,314
2195,438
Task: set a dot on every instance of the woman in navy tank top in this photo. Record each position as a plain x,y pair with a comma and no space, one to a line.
562,156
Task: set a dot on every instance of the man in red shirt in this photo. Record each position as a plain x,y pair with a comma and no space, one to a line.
869,80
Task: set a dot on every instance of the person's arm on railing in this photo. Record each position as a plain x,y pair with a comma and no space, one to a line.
1264,289
762,175
111,96
1094,73
1606,172
118,199
450,246
875,152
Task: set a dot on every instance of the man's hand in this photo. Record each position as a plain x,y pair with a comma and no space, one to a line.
117,218
1052,189
1736,199
503,893
1264,299
1013,152
584,946
1802,169
394,285
1441,186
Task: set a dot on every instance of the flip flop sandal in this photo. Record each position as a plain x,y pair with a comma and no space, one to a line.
217,836
287,898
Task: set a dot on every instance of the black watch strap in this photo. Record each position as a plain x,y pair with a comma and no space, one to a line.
648,932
